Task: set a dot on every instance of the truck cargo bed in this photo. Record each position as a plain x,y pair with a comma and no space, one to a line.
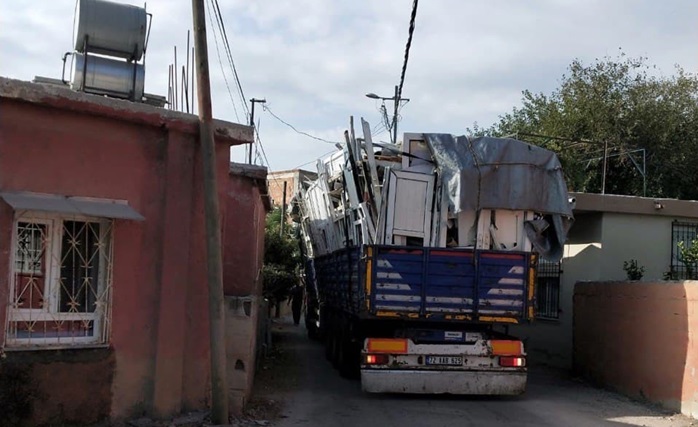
437,284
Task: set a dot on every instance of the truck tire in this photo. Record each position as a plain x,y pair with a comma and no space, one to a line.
336,349
328,342
349,358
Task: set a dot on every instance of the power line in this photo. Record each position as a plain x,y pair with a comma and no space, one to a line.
228,54
314,160
268,110
224,34
220,62
264,154
407,49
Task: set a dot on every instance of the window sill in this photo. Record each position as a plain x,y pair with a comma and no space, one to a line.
49,347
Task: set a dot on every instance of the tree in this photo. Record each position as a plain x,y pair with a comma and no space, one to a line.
281,258
620,103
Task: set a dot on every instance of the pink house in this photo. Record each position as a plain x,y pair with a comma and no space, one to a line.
103,296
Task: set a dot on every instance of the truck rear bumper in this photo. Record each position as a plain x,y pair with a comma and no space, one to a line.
443,382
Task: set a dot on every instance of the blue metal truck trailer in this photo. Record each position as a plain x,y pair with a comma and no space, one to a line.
421,255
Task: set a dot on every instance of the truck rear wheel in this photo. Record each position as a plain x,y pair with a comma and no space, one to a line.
349,359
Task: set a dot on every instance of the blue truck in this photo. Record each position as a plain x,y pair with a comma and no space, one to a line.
412,287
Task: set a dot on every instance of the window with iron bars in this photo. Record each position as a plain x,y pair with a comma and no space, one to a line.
685,232
548,290
60,284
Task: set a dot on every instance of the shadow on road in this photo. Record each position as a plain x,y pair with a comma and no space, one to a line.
307,391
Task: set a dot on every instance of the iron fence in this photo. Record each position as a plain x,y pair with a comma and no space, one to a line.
548,290
685,232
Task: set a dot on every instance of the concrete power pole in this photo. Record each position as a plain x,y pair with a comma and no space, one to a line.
397,104
283,212
253,101
219,388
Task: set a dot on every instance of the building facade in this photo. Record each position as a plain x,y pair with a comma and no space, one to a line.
102,254
608,232
294,180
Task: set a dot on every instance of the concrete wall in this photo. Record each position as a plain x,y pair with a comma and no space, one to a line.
293,178
242,317
276,187
158,361
243,256
640,339
597,246
549,342
243,237
645,238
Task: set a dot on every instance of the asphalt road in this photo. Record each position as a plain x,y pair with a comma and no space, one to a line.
316,396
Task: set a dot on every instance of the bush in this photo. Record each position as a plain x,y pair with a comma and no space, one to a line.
632,270
688,255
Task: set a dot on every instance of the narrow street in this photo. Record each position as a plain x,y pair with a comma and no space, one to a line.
312,394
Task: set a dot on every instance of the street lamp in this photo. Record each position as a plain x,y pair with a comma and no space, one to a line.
396,100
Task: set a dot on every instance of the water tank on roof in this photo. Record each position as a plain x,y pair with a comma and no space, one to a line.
108,77
112,29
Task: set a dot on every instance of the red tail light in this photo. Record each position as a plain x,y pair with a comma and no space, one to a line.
376,359
512,361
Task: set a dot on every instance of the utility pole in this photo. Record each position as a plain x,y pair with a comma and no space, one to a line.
253,101
283,212
397,102
605,161
219,387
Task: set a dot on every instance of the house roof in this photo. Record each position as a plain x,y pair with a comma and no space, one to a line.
66,99
613,203
256,173
292,172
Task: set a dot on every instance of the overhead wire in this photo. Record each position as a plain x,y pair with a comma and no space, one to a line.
226,43
266,160
413,19
261,154
268,110
220,62
314,160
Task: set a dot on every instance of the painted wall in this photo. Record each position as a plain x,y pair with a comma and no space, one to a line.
597,246
243,256
243,237
644,238
640,339
159,338
549,342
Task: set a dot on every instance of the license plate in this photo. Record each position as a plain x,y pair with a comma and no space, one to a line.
445,360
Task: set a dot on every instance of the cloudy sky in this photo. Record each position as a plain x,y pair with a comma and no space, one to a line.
314,60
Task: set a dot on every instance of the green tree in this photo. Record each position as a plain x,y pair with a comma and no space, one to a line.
281,258
623,103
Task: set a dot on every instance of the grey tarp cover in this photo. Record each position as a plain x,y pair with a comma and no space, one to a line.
504,173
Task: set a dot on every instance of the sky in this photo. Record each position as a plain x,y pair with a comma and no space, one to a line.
314,60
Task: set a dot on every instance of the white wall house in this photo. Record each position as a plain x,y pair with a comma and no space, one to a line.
608,230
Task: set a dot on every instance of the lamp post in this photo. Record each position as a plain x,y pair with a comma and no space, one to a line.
396,100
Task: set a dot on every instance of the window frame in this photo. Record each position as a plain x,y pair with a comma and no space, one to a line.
24,269
552,273
681,231
50,310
